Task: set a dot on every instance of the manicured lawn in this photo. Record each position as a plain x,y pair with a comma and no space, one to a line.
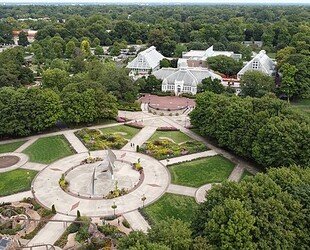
49,149
202,171
303,106
125,131
16,181
176,136
244,174
10,147
172,205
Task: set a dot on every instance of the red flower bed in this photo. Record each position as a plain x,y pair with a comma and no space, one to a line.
167,129
135,125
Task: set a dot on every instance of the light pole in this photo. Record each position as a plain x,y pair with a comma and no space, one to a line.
143,199
114,207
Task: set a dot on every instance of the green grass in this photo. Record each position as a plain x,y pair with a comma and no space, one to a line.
10,147
16,181
202,171
130,131
305,102
272,55
172,205
245,174
176,136
48,149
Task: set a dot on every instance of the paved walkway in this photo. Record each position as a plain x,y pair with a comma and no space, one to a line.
140,138
75,142
25,145
188,157
50,233
136,221
182,190
34,166
15,197
236,173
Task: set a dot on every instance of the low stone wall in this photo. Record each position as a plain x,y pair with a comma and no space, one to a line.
169,112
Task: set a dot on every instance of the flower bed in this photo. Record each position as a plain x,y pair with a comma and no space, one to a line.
134,125
94,140
167,129
163,149
121,119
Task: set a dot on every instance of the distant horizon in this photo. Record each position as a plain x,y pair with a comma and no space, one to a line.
154,2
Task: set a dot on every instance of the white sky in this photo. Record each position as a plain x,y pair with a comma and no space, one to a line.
158,1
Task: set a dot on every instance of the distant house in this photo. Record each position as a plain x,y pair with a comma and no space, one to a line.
146,61
260,62
30,35
197,58
183,80
257,44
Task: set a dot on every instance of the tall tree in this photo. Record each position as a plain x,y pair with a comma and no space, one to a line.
22,39
255,83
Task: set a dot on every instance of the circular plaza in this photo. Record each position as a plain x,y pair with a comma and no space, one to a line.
90,198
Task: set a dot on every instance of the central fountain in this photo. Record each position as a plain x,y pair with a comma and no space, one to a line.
107,178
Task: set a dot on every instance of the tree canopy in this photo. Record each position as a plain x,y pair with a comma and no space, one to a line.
263,129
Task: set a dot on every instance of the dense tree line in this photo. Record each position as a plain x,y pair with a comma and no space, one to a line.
165,27
28,111
263,129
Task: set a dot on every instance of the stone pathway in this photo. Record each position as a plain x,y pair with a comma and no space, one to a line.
188,157
182,190
25,145
140,138
16,197
75,142
136,221
50,233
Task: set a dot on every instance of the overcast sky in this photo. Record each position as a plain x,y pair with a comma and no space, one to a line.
157,1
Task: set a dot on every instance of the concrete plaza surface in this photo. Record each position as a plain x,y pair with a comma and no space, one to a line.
48,192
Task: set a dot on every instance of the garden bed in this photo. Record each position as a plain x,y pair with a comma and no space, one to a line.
93,139
163,149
